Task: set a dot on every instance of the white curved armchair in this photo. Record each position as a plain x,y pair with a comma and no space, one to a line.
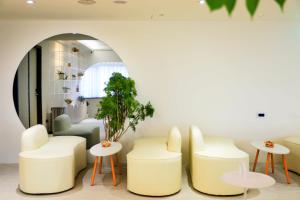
154,165
293,158
49,165
210,158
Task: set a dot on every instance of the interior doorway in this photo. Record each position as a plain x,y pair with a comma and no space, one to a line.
27,89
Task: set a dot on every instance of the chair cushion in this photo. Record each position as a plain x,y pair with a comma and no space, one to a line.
88,131
295,140
62,123
219,147
61,146
152,148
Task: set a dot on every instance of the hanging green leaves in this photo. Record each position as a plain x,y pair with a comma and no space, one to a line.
215,4
281,3
252,6
230,5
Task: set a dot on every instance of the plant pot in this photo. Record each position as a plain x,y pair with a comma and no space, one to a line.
65,90
61,76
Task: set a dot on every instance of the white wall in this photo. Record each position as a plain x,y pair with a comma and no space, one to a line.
217,75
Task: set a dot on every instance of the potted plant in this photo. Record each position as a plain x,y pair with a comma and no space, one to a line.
119,109
68,101
61,75
66,89
81,99
80,74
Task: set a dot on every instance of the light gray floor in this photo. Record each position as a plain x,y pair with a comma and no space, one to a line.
104,190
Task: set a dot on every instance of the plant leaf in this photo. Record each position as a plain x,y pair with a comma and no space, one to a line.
229,4
215,4
281,3
252,6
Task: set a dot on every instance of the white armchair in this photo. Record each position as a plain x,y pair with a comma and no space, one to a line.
154,165
293,158
210,158
49,165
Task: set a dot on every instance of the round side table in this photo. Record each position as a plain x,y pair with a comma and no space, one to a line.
99,152
277,149
248,180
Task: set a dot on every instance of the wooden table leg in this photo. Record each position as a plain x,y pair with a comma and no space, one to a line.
113,170
100,166
119,165
286,169
272,160
94,171
267,163
255,161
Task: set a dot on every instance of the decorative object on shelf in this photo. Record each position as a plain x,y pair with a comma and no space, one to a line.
81,99
105,143
75,50
80,74
230,5
61,75
66,89
77,88
69,65
119,109
66,77
73,77
269,144
68,101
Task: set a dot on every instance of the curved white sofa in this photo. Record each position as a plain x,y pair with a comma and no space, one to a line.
293,158
210,158
49,165
154,165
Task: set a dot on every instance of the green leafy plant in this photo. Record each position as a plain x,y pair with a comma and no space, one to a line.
79,74
230,5
119,109
66,89
68,100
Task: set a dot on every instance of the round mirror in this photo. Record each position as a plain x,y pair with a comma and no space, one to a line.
64,74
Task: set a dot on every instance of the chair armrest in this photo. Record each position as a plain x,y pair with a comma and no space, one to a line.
174,140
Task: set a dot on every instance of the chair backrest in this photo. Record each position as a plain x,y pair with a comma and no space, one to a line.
174,140
196,139
34,137
62,123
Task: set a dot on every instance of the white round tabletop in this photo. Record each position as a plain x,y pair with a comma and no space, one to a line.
249,180
98,150
277,149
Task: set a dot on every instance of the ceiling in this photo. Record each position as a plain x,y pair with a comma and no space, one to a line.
141,10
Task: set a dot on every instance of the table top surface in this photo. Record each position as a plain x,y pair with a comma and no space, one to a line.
98,150
277,149
249,180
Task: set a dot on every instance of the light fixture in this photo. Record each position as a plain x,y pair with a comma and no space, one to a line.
202,2
86,2
94,45
30,2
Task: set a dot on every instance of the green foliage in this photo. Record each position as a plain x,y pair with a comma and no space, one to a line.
230,4
252,6
119,109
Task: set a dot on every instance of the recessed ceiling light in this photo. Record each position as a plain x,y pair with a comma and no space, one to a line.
120,1
202,2
30,2
87,2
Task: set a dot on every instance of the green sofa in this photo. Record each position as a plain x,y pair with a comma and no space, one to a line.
64,127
